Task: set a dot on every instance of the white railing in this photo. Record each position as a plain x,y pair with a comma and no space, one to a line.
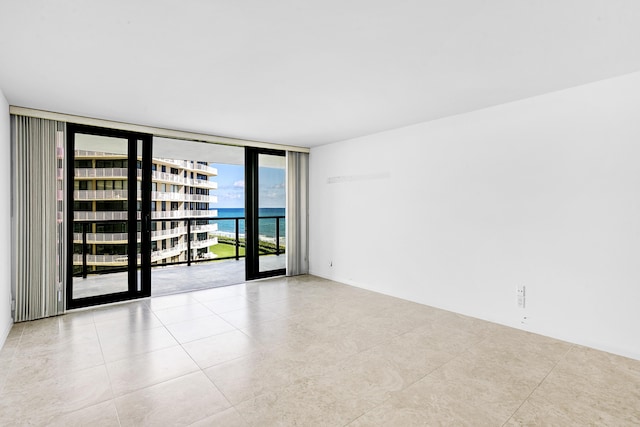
87,153
103,237
103,173
101,216
182,214
93,238
182,197
190,165
171,232
204,227
103,259
179,179
102,194
197,244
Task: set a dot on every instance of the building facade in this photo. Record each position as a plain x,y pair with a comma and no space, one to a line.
181,189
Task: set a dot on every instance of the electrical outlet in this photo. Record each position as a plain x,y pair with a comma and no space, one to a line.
522,296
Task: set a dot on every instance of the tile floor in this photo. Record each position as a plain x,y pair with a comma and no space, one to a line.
302,351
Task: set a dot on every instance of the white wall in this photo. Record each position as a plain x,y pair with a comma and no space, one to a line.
455,213
5,221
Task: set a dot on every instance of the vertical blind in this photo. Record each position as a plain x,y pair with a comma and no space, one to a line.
297,213
36,152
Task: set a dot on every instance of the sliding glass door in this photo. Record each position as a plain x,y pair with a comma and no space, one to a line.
109,199
265,212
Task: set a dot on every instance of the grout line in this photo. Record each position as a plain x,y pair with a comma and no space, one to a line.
560,359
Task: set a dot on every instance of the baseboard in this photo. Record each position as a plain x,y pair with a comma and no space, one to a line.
528,328
4,334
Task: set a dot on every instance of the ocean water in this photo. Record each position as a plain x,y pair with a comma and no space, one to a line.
267,226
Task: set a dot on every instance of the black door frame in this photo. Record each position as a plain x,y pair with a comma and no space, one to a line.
251,212
145,231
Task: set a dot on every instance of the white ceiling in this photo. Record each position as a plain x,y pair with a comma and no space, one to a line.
304,72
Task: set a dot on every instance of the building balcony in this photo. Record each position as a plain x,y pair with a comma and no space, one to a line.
122,260
101,216
103,173
204,243
103,260
204,227
179,179
190,165
102,195
182,197
123,238
183,214
102,238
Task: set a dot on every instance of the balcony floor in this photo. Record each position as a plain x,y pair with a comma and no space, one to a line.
177,278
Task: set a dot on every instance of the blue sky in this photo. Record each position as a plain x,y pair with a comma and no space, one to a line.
230,191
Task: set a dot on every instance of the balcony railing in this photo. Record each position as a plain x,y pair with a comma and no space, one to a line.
179,179
182,197
102,194
85,259
191,165
103,173
181,214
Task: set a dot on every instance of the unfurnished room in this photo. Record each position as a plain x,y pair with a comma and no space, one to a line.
320,213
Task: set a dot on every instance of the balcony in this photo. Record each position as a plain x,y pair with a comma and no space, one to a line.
103,173
102,195
101,216
190,165
182,197
183,214
268,245
204,243
179,179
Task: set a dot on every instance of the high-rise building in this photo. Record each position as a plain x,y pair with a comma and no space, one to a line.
180,189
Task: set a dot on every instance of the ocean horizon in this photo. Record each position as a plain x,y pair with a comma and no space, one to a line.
267,226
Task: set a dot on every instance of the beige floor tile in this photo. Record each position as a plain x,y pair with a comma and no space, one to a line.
544,414
248,317
589,386
100,415
366,420
127,309
140,321
355,337
169,301
75,318
264,292
219,293
302,351
250,376
147,369
8,349
432,402
182,313
486,383
40,402
225,305
304,403
227,418
445,338
220,348
363,381
181,401
121,346
271,332
201,327
54,361
16,330
412,356
50,335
